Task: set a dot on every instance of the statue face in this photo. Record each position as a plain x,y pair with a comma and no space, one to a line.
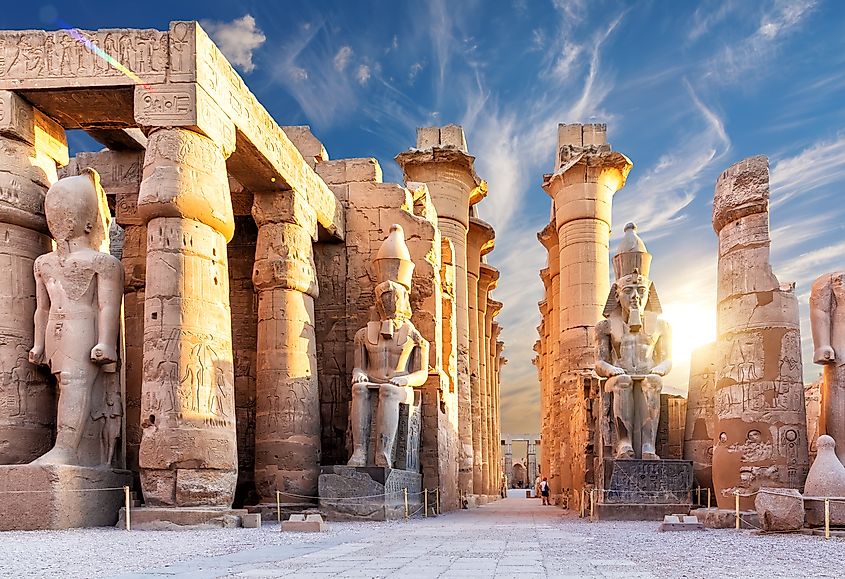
633,296
392,301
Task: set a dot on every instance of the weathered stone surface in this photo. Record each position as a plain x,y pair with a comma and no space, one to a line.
780,509
700,420
38,497
381,491
716,518
760,428
644,481
180,519
305,524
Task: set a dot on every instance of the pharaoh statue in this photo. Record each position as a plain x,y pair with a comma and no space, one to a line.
633,349
827,318
79,288
391,356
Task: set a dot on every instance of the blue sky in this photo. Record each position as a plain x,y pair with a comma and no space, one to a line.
685,88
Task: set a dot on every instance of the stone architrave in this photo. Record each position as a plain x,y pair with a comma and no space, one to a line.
188,453
287,428
828,323
441,161
480,241
587,174
700,420
79,290
760,428
634,348
31,145
487,281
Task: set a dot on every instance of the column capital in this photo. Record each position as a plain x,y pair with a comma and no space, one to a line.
488,277
284,207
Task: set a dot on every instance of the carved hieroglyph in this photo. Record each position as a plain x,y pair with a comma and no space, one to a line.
634,350
700,420
188,447
391,356
30,147
828,323
79,290
761,428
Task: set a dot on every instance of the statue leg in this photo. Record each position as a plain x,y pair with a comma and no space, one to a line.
360,423
74,410
652,385
623,413
387,422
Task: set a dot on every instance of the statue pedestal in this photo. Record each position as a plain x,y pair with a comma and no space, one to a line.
636,490
49,497
406,450
368,492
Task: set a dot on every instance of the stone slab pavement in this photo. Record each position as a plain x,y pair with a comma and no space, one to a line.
518,537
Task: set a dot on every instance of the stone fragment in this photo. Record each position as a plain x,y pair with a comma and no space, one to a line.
251,521
304,524
780,509
760,436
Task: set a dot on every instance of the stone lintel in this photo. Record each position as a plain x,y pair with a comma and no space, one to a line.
341,171
194,58
116,139
187,106
24,122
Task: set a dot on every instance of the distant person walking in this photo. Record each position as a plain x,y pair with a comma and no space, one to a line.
544,491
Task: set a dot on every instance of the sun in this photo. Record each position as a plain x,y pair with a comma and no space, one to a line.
693,326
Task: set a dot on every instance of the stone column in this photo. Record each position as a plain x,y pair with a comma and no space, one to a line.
559,471
487,281
440,160
287,427
761,428
31,145
188,454
480,240
587,174
493,309
699,431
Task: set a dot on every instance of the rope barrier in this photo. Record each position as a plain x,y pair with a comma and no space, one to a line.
65,491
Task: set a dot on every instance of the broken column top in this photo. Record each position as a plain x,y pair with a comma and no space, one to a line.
741,190
448,136
585,144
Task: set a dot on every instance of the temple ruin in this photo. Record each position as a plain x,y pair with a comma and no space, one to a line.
248,260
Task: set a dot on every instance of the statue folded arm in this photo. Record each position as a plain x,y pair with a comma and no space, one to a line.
604,367
359,375
821,303
109,295
417,364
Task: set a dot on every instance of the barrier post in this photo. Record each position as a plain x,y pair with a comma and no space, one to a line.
425,498
698,495
708,497
827,518
736,494
128,501
592,503
437,499
407,514
279,509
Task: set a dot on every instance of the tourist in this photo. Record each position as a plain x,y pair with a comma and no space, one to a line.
544,491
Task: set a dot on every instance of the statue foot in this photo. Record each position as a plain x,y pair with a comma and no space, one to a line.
650,456
56,456
383,460
359,458
625,452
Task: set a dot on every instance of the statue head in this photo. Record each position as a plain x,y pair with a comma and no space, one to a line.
633,292
76,209
392,301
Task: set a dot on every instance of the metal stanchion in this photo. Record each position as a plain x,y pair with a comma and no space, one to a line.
425,499
128,504
827,518
407,514
736,495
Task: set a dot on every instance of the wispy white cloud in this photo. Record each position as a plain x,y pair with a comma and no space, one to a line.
747,55
237,39
363,74
708,15
821,164
341,59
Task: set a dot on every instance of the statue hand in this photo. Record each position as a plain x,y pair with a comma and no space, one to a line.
824,355
659,370
615,371
103,354
36,356
358,377
399,381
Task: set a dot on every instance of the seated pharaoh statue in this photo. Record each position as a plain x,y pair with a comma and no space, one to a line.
79,289
633,349
391,356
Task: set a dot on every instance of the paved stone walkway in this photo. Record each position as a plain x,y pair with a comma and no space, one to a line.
518,537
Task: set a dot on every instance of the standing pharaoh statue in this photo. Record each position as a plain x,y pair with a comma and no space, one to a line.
79,289
391,356
827,318
633,348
